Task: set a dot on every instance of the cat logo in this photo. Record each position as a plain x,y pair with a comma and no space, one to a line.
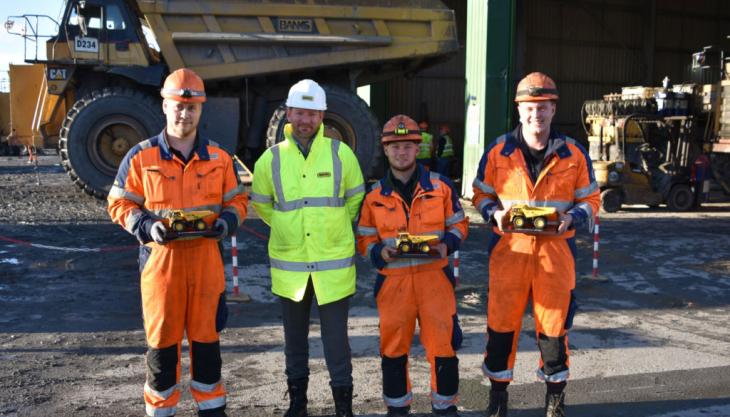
57,74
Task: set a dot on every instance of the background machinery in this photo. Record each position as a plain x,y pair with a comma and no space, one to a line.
658,145
105,63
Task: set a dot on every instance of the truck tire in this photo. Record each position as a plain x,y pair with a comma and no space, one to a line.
99,130
348,118
680,198
611,200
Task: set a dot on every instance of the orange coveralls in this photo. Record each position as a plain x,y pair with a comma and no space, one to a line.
543,266
183,282
420,289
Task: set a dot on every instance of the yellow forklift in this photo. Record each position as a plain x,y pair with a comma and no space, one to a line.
643,142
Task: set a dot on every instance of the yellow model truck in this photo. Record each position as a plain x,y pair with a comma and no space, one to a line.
523,216
408,243
108,59
180,221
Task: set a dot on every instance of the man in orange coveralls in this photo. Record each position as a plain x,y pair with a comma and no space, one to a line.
411,199
538,166
183,284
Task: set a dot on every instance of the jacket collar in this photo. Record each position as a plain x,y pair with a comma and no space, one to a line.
201,147
557,143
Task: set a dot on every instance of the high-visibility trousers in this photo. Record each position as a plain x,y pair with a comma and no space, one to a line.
523,267
429,298
183,291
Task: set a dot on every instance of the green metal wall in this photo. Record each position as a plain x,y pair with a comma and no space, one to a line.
489,51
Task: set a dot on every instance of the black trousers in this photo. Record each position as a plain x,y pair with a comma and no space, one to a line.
333,320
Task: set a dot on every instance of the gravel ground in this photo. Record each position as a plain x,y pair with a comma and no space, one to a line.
44,194
651,339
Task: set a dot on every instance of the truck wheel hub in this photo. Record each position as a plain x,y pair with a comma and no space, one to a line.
120,146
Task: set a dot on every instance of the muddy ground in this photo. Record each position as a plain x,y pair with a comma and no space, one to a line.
651,339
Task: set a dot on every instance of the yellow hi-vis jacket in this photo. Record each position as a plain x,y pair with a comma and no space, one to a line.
424,148
311,205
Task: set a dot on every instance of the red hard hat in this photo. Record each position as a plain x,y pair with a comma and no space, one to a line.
423,125
185,86
444,128
536,86
400,128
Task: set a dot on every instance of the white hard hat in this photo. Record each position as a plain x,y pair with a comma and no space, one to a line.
307,94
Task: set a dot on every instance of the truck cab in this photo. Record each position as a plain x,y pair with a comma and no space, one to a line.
100,32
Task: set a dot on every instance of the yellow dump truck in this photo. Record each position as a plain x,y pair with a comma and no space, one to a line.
180,221
408,243
525,217
4,123
34,117
108,59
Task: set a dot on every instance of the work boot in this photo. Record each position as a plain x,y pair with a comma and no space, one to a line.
399,411
217,412
297,389
555,405
343,401
449,412
497,404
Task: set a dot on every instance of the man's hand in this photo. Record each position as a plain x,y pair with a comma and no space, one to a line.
501,218
442,249
388,253
565,221
220,226
158,232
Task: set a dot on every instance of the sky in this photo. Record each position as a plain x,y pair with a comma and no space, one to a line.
11,46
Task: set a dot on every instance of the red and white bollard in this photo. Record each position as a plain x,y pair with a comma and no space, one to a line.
596,239
456,268
594,275
237,296
234,261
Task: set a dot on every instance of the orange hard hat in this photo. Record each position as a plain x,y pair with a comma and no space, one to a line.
536,86
423,125
400,128
184,85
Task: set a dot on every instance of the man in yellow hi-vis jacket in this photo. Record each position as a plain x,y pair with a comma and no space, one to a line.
308,188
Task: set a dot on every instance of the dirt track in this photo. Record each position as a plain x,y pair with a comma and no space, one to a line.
653,340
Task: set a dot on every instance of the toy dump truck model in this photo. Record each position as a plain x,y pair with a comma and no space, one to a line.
524,217
182,221
98,93
414,244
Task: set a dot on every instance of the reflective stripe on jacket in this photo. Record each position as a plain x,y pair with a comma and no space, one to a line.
435,210
310,205
567,181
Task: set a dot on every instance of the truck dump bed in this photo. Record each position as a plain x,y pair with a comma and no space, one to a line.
244,38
